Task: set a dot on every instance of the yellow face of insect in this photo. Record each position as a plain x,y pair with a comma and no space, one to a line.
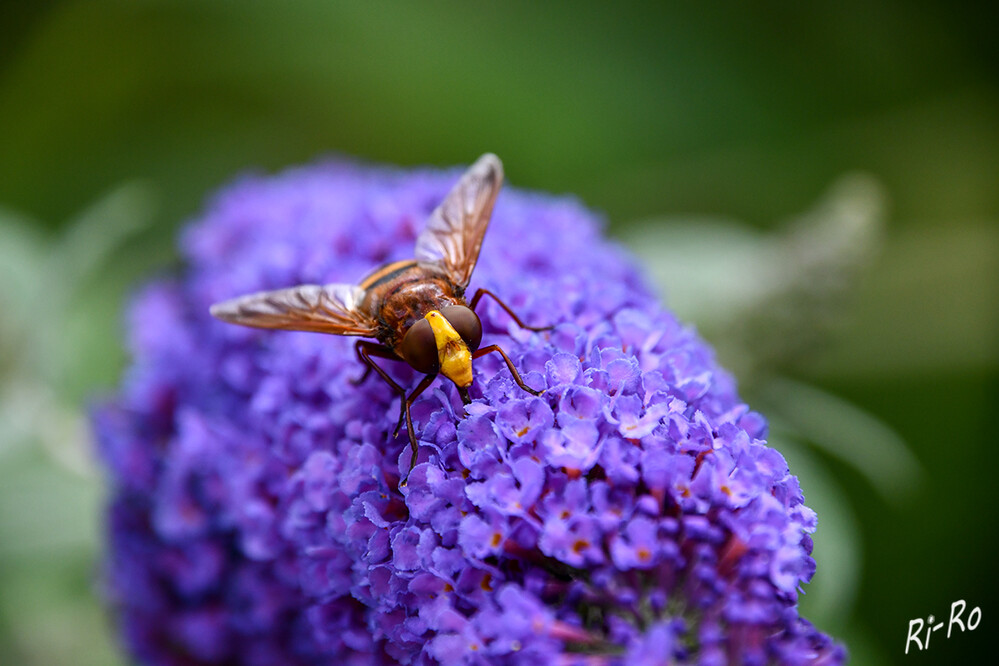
452,352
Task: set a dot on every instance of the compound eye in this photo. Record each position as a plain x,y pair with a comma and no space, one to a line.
466,323
419,347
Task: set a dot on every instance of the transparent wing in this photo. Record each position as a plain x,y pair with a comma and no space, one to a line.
331,308
454,233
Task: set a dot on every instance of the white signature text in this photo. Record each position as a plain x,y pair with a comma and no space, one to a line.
921,639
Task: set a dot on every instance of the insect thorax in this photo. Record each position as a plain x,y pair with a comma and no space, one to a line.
401,294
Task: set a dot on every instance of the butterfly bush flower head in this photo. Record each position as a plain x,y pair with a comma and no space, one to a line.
631,514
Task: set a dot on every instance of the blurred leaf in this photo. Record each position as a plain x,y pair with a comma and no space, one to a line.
22,252
50,495
78,255
43,274
830,596
845,432
930,305
91,238
767,300
45,510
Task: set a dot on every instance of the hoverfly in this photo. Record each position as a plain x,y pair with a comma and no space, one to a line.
415,309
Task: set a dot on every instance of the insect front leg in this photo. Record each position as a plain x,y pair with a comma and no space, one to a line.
509,364
420,388
372,349
365,350
479,293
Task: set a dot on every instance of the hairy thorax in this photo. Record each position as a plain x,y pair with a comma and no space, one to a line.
401,293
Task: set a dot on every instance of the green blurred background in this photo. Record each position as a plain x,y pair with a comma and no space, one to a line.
814,185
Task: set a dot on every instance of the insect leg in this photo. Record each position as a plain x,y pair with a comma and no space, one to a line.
485,292
365,350
373,349
509,364
408,402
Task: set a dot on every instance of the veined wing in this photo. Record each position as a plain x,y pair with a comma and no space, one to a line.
454,233
331,308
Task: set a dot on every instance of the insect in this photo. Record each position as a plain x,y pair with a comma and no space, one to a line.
415,309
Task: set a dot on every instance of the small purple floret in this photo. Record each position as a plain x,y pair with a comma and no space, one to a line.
632,514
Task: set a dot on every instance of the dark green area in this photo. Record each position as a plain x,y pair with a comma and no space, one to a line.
940,547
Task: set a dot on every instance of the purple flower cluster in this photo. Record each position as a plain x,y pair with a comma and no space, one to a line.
632,514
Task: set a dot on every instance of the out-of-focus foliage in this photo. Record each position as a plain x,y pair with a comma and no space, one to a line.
57,338
871,344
